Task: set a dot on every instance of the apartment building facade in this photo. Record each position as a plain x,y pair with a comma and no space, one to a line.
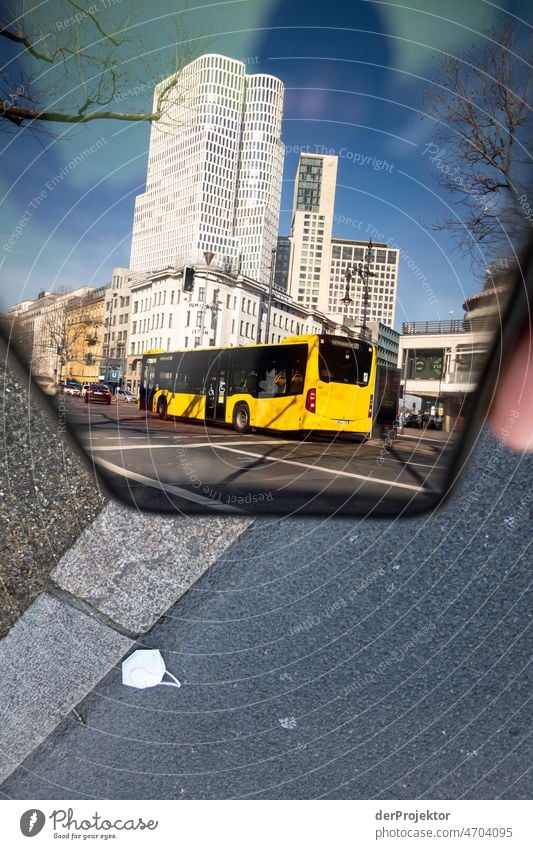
371,297
222,310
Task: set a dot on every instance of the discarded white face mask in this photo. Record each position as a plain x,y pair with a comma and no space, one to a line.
146,668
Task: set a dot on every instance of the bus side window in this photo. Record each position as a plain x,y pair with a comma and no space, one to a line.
271,386
252,384
264,389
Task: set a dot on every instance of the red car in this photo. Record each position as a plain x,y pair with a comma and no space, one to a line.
97,392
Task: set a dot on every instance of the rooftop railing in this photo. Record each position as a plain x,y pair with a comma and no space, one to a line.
412,328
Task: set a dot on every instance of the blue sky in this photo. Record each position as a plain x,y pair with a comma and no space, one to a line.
355,73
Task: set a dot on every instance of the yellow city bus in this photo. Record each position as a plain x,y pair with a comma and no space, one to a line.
305,383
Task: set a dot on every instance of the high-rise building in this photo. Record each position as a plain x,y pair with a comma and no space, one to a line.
214,172
382,281
312,224
318,260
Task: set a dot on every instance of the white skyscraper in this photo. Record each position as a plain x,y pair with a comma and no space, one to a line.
214,172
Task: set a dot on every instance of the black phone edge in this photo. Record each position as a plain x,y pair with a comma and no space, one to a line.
516,319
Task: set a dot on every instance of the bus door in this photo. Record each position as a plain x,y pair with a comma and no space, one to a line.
215,402
148,386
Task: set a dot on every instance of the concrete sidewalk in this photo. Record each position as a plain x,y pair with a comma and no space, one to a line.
122,574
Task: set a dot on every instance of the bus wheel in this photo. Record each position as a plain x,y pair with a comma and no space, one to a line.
241,418
162,408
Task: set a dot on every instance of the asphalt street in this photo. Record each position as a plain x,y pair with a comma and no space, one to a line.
203,467
330,658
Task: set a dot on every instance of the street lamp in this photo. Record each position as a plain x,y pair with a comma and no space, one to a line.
215,308
347,300
110,353
107,337
270,284
362,269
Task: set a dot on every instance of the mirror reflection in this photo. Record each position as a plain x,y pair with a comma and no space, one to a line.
286,333
323,418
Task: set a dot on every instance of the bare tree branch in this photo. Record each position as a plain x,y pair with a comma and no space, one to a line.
65,71
480,103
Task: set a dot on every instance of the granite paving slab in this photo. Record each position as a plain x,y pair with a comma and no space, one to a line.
52,657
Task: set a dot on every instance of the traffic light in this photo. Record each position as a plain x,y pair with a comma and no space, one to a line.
188,278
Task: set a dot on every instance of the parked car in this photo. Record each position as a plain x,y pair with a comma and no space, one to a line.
435,423
411,420
72,387
98,392
125,395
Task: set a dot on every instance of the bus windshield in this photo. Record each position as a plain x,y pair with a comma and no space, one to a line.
344,362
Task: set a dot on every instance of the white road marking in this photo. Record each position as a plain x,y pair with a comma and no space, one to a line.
167,487
130,447
309,466
335,472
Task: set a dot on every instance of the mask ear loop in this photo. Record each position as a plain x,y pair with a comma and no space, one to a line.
169,683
